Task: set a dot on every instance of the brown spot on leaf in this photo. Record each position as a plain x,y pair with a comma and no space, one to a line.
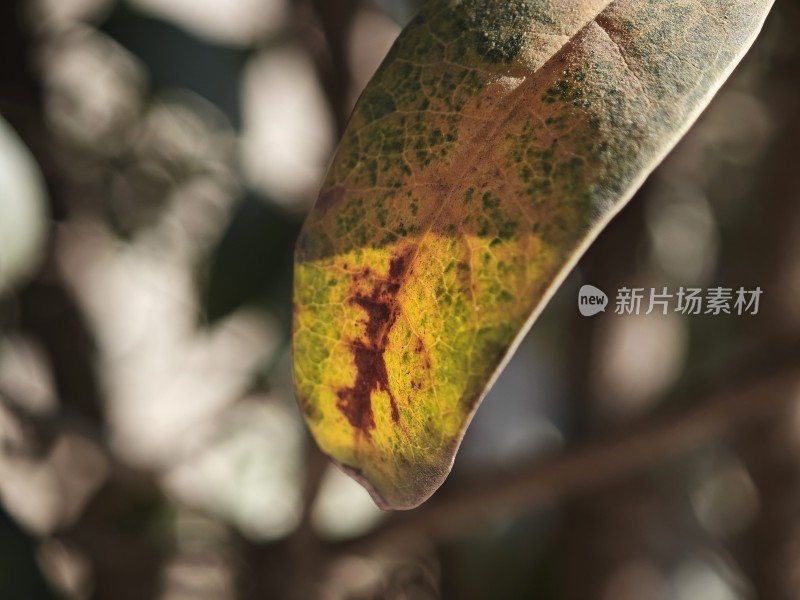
397,267
382,309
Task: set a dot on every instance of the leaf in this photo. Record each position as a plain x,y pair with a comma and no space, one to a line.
23,210
491,147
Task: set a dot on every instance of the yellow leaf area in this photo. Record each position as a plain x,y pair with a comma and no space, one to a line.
490,148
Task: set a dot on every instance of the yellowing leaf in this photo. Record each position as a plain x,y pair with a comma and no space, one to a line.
493,144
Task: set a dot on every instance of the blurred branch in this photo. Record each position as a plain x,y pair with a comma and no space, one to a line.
48,311
768,551
21,98
333,67
335,18
760,387
50,314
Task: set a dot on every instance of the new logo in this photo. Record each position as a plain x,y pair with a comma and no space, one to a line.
591,300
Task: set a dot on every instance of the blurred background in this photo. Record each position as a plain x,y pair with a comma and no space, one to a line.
157,162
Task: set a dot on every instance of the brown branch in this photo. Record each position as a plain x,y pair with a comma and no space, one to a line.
47,310
334,18
51,315
765,385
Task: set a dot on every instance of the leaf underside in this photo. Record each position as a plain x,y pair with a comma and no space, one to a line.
491,147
